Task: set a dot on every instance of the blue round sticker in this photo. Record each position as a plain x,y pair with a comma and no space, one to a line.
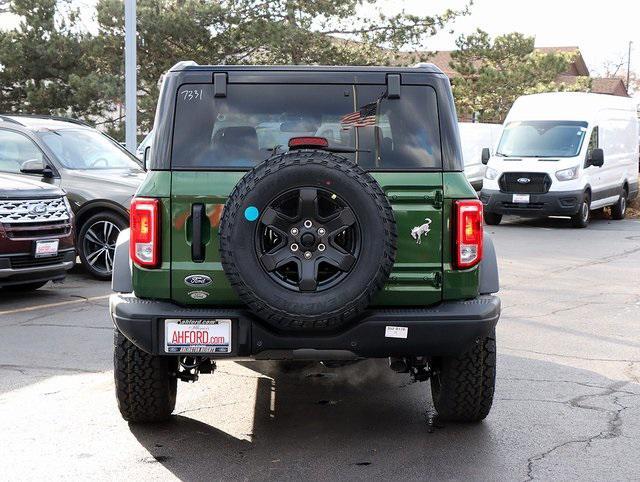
251,213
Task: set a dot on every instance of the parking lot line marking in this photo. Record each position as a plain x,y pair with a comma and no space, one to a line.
52,305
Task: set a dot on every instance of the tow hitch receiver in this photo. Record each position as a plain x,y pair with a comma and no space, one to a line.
417,367
190,367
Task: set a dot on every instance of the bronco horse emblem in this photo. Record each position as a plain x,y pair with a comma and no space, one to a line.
419,231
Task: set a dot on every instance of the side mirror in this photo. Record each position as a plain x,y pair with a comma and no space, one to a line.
145,157
486,155
595,158
36,166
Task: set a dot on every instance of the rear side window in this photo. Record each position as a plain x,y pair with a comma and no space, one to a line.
255,121
406,133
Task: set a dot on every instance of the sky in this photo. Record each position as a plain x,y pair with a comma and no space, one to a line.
602,30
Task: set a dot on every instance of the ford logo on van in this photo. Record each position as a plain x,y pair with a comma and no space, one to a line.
524,180
198,280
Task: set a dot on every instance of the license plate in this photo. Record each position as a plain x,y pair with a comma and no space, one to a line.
45,248
521,198
197,336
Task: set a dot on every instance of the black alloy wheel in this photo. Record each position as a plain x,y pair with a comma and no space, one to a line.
308,239
97,243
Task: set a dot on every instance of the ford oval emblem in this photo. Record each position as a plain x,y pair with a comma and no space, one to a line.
198,294
198,280
39,208
524,180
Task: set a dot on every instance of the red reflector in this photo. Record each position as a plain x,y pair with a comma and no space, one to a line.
144,219
308,142
469,233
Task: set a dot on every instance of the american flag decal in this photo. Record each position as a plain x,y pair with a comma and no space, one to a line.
366,116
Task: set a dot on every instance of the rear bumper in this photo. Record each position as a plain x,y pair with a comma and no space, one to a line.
446,329
14,273
553,203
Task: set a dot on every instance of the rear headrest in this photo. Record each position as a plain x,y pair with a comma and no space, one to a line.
238,137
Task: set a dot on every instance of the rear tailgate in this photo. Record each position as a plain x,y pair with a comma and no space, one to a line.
417,202
416,279
188,191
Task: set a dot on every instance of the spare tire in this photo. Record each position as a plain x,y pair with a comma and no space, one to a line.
307,239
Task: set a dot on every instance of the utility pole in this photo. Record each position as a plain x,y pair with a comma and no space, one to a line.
130,84
629,65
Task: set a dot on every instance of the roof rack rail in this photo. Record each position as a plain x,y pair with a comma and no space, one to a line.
56,118
6,118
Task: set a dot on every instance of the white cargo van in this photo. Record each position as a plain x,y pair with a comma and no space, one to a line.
563,154
474,137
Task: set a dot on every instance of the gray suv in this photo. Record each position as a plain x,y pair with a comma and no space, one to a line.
98,174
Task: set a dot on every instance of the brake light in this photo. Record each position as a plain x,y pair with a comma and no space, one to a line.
144,242
469,234
308,142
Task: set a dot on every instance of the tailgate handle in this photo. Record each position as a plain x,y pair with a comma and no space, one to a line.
197,246
436,198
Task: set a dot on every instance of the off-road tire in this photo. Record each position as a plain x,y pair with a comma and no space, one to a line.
284,309
619,209
492,219
579,220
462,387
146,385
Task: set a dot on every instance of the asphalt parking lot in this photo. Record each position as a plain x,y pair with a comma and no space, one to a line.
567,402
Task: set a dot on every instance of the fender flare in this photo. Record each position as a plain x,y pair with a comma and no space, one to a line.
104,204
489,277
121,281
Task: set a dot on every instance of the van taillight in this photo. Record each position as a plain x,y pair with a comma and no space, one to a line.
469,235
144,242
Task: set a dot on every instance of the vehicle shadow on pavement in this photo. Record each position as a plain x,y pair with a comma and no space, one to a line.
347,423
80,282
364,422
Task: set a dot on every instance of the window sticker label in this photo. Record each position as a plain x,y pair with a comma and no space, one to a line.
396,332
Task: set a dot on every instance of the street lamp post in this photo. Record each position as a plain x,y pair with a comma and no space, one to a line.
629,65
130,88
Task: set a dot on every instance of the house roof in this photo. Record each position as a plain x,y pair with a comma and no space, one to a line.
578,67
613,86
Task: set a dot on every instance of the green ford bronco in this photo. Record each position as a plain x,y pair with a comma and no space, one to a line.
305,213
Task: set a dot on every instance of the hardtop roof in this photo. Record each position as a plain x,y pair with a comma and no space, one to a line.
189,65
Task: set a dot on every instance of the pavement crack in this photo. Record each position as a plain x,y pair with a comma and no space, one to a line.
23,368
613,428
570,308
61,325
545,380
210,407
593,262
617,360
629,372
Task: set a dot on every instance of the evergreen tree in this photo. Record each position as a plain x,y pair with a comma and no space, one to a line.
494,73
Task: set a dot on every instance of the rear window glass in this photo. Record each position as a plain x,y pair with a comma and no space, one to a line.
255,121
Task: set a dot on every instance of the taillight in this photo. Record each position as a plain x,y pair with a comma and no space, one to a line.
469,233
144,242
